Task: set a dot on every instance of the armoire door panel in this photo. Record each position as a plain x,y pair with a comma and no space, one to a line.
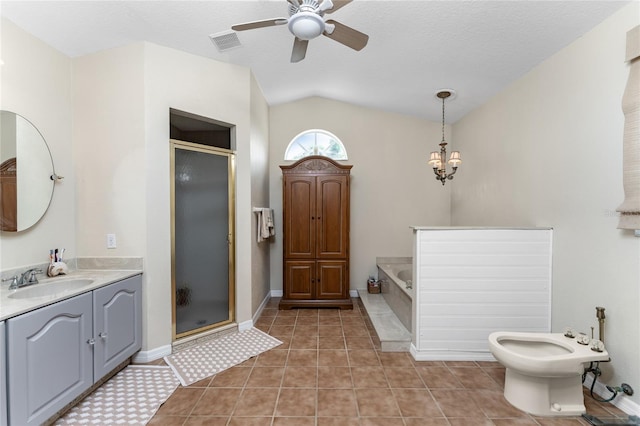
299,279
332,279
332,216
300,206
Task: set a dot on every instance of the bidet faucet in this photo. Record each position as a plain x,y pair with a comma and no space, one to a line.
600,315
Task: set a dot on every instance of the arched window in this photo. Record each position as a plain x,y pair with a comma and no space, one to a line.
315,142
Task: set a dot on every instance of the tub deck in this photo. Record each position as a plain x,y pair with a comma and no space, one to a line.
393,335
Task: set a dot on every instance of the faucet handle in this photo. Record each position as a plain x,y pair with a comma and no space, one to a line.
14,281
31,275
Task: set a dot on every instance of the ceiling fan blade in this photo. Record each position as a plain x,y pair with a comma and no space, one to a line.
346,35
299,49
337,4
260,24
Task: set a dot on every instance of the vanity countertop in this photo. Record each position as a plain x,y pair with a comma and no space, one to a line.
11,307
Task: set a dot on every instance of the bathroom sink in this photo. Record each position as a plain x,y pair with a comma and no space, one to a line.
50,289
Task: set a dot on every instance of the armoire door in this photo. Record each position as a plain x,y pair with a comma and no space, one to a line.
300,211
332,279
332,217
300,277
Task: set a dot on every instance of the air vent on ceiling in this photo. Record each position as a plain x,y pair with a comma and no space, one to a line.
226,40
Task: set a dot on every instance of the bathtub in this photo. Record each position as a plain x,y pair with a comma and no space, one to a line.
395,275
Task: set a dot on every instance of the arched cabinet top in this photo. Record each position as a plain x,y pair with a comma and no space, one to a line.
316,165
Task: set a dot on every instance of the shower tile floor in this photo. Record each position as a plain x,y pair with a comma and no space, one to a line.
330,371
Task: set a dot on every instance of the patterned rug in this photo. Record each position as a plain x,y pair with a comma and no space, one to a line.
214,356
131,397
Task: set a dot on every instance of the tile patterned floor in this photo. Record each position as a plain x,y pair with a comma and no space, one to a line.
329,371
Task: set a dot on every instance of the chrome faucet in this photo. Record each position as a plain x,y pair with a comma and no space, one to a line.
28,277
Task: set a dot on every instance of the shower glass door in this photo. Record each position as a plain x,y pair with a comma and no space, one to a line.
202,252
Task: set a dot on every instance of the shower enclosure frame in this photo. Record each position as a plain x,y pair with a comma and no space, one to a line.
230,154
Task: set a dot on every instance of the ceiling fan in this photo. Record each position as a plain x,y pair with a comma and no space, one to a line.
306,22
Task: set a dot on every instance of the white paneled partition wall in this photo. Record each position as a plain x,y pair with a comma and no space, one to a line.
470,282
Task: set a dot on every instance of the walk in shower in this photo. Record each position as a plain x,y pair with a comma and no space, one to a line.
202,236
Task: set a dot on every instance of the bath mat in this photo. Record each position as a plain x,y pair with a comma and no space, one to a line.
211,357
131,397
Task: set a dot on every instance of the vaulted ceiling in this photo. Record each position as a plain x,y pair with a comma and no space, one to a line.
415,48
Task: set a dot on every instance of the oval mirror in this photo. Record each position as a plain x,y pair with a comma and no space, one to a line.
26,167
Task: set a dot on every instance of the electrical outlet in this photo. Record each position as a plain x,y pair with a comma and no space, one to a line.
111,241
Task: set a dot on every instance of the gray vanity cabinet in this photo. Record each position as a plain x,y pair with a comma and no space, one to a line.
117,326
57,352
3,379
49,359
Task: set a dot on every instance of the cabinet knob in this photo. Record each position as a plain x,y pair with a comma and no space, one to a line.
102,335
312,218
91,341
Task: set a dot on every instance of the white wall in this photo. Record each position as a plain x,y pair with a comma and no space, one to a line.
392,187
35,82
547,151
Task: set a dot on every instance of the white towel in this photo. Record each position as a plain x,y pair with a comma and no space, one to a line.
265,224
268,218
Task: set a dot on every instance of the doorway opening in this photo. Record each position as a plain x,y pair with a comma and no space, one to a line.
202,221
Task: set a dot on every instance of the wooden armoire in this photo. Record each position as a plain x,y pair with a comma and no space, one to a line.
316,234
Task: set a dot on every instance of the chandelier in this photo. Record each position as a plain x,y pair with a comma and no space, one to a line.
437,159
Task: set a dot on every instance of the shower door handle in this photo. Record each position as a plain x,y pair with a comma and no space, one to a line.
229,239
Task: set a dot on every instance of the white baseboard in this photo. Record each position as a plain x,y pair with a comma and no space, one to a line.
452,355
621,401
152,355
354,293
245,325
258,312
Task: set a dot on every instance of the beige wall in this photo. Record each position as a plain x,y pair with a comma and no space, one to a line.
260,267
106,119
35,82
129,112
392,187
547,151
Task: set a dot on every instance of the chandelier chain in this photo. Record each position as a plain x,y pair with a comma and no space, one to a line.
443,119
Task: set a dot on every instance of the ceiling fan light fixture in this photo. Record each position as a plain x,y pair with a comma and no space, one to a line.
306,25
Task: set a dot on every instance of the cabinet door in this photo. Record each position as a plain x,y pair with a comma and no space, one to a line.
49,360
299,279
332,279
300,217
117,326
332,201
